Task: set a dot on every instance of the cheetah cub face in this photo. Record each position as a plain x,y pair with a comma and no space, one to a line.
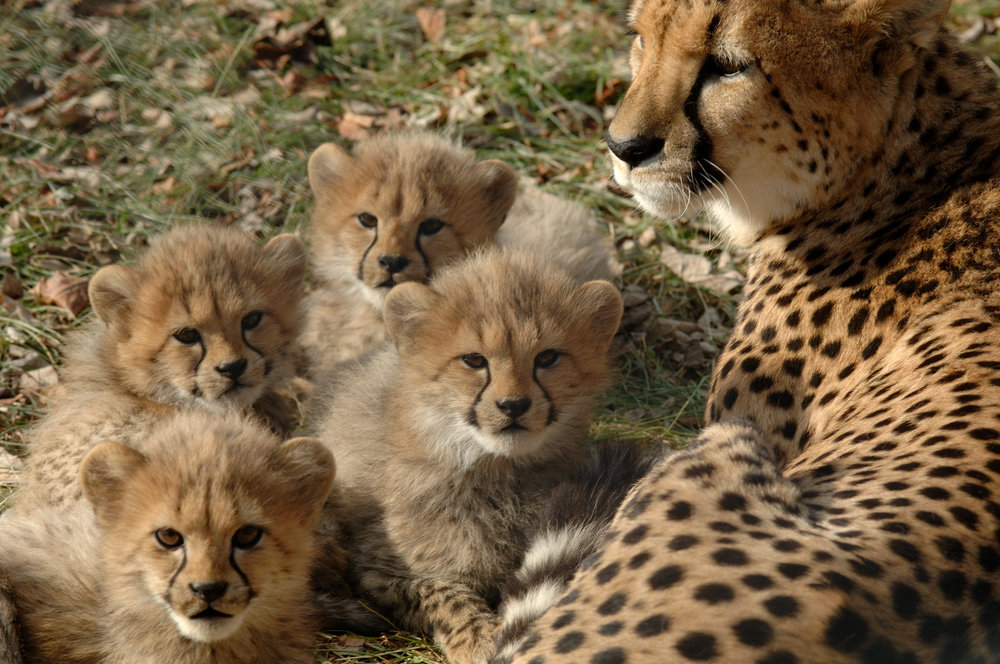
750,109
217,538
204,317
401,207
503,352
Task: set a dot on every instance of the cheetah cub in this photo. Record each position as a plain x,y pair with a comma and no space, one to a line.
449,440
195,550
402,207
203,320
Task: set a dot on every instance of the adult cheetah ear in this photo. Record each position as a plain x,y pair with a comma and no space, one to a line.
307,467
892,24
499,186
103,473
112,291
327,165
599,304
406,307
288,255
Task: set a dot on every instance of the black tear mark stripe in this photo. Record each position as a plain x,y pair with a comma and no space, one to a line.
243,335
180,568
702,151
553,414
364,256
239,570
473,420
423,256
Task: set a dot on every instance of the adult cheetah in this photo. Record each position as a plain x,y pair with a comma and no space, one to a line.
843,503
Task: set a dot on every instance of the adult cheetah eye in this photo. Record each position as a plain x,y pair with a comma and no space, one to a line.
367,220
430,226
247,537
187,336
168,538
547,358
252,320
725,67
474,360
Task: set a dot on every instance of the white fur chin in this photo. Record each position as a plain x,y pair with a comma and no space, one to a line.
740,213
242,399
513,445
375,296
461,445
208,630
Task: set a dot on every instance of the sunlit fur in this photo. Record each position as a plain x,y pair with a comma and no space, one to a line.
94,584
397,184
126,368
732,145
440,485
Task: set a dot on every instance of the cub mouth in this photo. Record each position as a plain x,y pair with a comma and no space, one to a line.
513,428
387,284
210,614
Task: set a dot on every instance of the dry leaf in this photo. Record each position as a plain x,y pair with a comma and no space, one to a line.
432,22
9,467
696,269
354,127
38,379
273,49
64,291
11,286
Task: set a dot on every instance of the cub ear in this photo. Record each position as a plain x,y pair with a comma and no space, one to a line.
406,306
600,304
499,185
894,22
112,291
288,253
307,467
327,165
103,473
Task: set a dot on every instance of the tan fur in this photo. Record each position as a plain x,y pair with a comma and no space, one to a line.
10,639
104,589
404,181
841,505
126,369
438,488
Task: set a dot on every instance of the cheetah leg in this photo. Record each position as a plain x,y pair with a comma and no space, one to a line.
457,618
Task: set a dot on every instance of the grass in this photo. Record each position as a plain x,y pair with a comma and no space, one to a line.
115,123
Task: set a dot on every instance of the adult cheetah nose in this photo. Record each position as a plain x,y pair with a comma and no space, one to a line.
233,369
514,408
209,592
393,264
634,151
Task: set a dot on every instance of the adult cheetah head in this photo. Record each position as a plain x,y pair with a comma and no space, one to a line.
759,111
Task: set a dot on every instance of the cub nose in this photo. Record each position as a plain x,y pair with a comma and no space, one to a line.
209,592
514,407
393,264
233,369
634,151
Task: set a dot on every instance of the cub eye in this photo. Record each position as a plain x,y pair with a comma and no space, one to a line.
247,537
168,538
725,67
252,320
474,361
187,336
430,226
367,220
547,358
